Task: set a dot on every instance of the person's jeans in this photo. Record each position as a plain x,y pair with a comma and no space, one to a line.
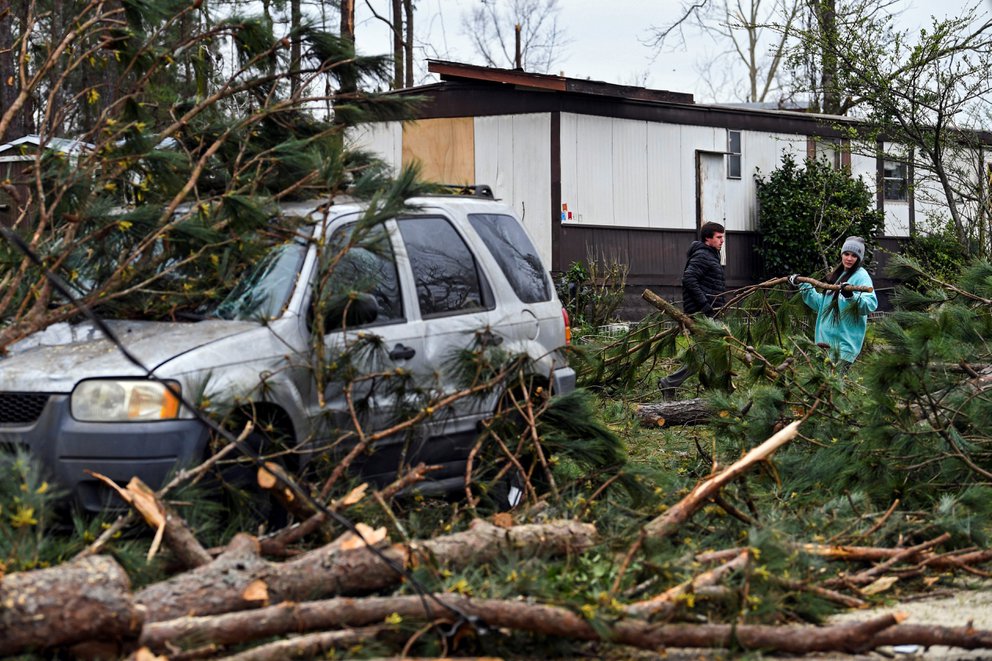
669,384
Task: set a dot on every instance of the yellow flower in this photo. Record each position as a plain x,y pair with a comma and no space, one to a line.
24,516
394,618
462,587
92,96
43,488
124,225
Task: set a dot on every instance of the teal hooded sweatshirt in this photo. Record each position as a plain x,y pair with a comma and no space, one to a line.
843,327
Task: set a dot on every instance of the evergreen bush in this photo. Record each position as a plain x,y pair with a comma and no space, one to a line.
806,212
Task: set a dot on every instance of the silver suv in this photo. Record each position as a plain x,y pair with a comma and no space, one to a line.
452,272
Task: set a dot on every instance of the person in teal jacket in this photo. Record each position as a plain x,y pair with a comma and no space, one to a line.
842,316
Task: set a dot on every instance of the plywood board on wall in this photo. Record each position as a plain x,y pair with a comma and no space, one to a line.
445,149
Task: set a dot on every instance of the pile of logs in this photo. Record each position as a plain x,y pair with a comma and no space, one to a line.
236,603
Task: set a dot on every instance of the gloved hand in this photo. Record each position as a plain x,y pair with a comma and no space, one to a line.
792,279
846,291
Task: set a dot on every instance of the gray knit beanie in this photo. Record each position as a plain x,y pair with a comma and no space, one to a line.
854,245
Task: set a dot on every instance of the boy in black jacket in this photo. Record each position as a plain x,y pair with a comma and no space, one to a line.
702,287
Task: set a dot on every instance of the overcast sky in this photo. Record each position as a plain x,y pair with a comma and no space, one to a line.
605,39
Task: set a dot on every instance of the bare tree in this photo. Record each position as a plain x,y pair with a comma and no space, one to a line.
921,93
491,26
754,34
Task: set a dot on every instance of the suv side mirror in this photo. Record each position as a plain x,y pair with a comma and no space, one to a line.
345,310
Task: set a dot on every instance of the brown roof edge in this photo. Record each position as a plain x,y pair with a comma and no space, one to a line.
457,70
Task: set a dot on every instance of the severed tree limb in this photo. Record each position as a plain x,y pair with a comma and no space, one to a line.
663,604
702,493
191,475
86,599
553,621
823,593
664,525
278,543
241,579
666,307
168,524
869,575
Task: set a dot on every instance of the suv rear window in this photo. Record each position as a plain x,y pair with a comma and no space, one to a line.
515,254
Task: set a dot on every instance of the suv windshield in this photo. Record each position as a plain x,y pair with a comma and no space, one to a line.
264,291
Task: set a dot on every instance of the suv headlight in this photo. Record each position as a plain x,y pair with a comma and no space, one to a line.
124,400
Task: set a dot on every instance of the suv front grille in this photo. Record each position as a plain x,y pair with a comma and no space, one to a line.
21,408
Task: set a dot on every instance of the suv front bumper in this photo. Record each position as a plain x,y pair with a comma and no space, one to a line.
119,450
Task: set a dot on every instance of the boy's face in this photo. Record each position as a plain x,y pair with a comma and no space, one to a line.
715,241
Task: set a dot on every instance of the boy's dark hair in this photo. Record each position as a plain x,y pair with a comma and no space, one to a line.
709,229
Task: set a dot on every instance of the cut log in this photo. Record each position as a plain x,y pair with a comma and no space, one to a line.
241,579
87,599
550,621
675,414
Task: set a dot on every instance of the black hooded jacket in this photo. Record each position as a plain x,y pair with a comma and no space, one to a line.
702,280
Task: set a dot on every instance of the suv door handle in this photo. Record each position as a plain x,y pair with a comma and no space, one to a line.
401,352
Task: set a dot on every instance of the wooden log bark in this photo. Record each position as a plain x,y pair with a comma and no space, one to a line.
309,646
241,579
552,621
74,602
674,414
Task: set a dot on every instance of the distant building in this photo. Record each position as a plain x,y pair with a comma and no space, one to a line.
17,162
625,173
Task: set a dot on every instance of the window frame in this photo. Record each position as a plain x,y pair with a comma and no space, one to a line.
902,181
735,158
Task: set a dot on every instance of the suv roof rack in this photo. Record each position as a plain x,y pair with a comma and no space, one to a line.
475,190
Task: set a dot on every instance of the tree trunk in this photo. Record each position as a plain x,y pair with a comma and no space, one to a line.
240,579
346,75
295,46
826,18
399,53
408,7
88,599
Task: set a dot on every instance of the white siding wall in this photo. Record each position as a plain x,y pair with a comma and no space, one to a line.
513,155
632,173
760,152
667,184
587,168
382,138
864,166
690,139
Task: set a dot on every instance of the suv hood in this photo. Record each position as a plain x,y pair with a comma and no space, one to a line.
55,359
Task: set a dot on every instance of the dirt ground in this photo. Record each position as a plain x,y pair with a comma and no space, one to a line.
953,607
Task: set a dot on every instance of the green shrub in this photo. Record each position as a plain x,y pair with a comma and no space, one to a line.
592,295
805,213
938,251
